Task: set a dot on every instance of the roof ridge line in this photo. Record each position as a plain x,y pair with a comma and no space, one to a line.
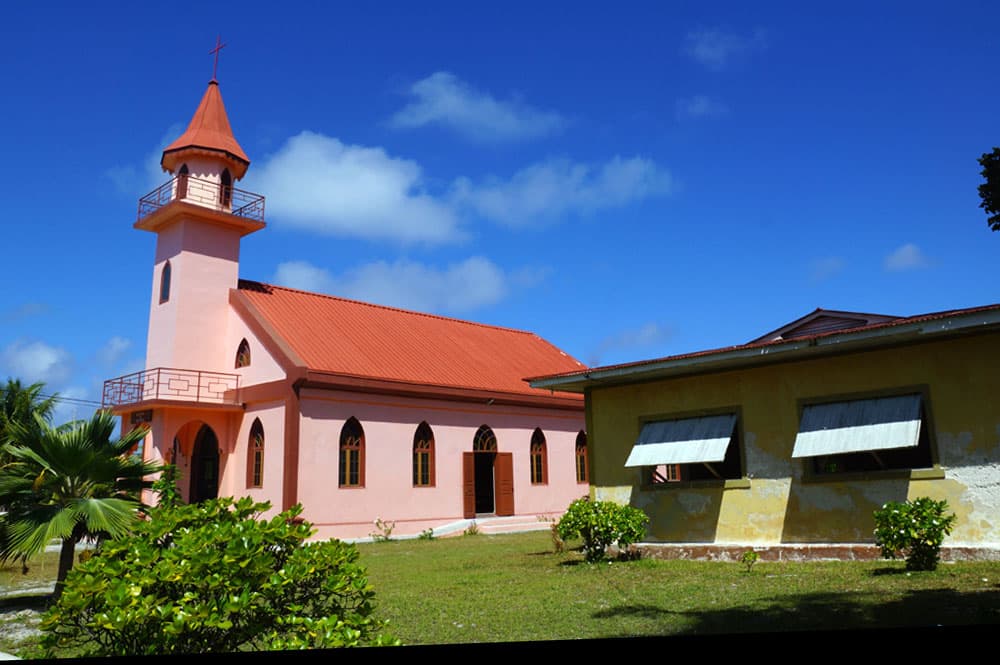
391,308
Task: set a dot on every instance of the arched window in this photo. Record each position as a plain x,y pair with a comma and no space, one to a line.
226,189
352,454
255,455
165,283
582,465
539,475
182,182
485,440
423,456
243,354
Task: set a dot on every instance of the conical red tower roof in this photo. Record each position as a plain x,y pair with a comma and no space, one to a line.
208,133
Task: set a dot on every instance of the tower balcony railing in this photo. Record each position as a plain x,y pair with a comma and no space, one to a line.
166,383
207,193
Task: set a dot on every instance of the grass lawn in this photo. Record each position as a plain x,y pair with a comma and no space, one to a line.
514,588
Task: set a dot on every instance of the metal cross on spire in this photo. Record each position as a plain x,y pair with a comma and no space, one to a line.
218,47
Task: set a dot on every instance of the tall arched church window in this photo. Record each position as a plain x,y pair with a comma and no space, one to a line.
165,283
243,354
423,456
182,182
582,464
485,440
255,455
226,189
352,454
539,472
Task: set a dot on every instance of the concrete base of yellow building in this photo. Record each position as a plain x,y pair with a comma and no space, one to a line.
798,552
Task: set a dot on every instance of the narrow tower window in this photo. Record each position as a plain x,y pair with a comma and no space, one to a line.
538,466
255,455
243,355
352,454
182,182
165,283
226,189
423,456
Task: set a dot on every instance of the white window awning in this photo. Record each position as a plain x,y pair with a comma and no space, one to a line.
683,441
858,425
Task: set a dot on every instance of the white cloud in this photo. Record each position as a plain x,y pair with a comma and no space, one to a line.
647,335
472,283
716,49
823,269
136,180
36,361
442,99
315,182
113,351
907,257
558,187
699,106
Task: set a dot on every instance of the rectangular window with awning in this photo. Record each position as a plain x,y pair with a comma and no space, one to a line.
872,434
681,449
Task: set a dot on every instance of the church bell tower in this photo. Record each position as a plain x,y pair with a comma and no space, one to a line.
199,217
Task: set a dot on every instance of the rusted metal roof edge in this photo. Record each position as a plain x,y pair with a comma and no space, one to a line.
961,323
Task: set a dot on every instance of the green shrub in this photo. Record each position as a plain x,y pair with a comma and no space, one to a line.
915,529
601,524
749,558
215,577
426,534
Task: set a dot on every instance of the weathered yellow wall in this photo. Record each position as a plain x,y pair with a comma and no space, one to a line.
962,377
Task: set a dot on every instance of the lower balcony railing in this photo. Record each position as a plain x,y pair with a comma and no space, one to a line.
188,385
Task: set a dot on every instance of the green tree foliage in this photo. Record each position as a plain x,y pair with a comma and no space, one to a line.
989,191
69,483
19,404
215,577
601,524
914,529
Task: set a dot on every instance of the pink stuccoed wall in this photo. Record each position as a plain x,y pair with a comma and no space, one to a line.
184,331
389,425
263,368
233,482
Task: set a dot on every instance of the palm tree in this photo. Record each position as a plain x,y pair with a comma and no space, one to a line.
18,403
70,483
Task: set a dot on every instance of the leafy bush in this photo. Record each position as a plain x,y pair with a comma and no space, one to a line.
601,524
915,529
215,577
749,558
426,534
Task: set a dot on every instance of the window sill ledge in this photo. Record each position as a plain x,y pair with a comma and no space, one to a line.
937,473
733,484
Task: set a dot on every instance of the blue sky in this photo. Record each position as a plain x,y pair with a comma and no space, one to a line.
629,180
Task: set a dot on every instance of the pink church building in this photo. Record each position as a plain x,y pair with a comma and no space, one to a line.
357,411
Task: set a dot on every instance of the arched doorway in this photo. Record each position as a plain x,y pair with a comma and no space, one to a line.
204,466
488,477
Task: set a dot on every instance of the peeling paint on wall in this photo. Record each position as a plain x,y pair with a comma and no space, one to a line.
761,463
977,497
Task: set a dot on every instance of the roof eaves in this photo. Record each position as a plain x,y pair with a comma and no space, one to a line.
941,323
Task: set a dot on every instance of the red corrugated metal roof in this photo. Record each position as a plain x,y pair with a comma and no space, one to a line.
352,338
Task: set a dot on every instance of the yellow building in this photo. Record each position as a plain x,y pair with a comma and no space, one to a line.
789,443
